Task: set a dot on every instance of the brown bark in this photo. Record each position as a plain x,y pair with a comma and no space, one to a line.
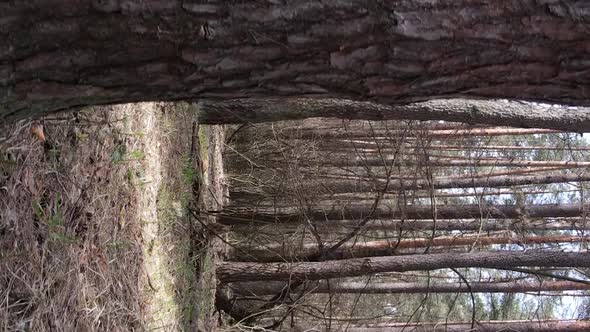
505,148
521,171
238,271
348,146
482,326
61,54
351,174
513,114
269,288
473,162
394,185
396,226
467,211
369,196
322,134
387,247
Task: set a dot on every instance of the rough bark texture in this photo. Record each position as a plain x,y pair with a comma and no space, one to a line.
235,271
268,288
483,326
60,54
499,113
387,247
467,211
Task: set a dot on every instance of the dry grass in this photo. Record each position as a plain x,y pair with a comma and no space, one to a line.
70,254
93,231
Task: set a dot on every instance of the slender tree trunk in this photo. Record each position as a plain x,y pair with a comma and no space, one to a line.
237,271
322,134
468,162
521,171
387,247
355,174
348,146
62,54
274,287
343,186
361,187
369,196
396,226
234,215
482,326
505,148
513,114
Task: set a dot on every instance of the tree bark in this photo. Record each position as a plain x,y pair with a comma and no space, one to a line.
62,54
498,113
310,252
482,326
378,162
237,271
234,215
269,288
348,146
322,134
396,226
344,186
504,148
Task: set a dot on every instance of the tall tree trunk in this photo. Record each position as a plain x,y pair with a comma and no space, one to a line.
274,287
234,215
482,326
322,134
344,186
61,54
369,196
347,146
446,147
473,162
499,113
396,226
310,252
237,271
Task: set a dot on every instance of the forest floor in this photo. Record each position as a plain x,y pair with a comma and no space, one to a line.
95,229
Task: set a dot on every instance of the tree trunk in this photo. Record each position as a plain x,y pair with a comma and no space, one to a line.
345,173
482,326
322,134
275,287
348,146
344,186
310,252
473,162
467,211
237,271
62,54
498,113
503,148
396,226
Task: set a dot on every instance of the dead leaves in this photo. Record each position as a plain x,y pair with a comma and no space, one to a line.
37,131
